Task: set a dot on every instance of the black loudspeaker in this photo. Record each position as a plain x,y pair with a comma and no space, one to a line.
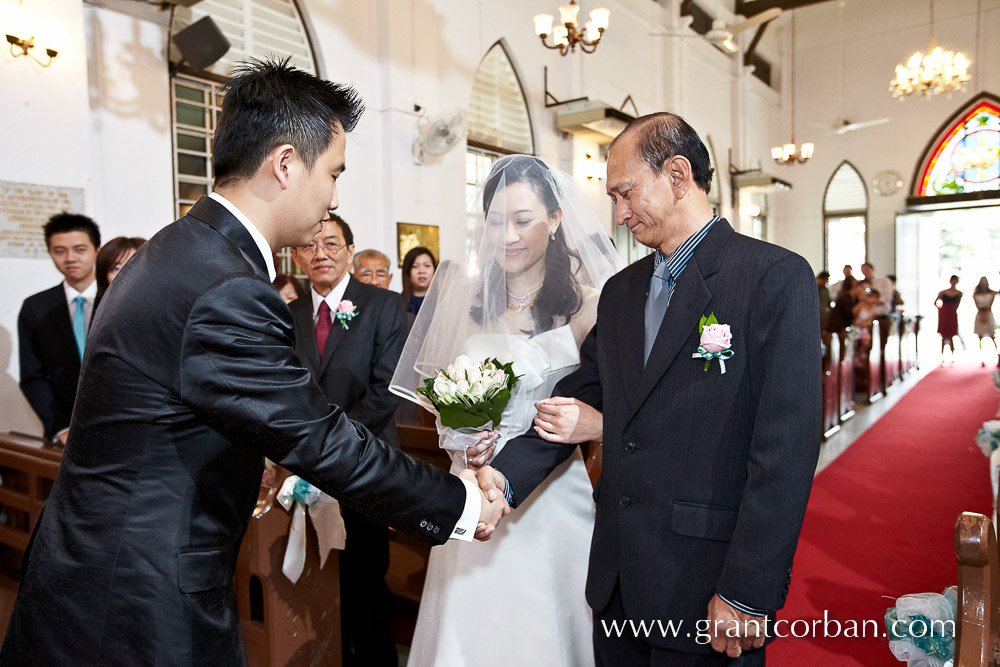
201,44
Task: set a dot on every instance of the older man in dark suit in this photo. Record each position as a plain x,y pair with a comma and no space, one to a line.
190,379
52,325
353,368
711,433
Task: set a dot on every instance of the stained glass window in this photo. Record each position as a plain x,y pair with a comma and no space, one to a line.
964,159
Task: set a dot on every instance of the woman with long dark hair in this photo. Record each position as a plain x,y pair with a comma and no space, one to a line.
524,291
947,302
419,265
112,258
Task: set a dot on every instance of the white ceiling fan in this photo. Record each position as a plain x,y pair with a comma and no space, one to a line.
722,36
844,125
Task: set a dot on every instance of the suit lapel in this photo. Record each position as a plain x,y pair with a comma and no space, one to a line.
337,331
221,220
689,302
631,335
306,333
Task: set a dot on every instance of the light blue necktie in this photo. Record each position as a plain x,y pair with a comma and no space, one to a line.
656,305
79,324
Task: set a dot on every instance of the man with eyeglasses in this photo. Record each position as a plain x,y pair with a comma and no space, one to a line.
352,360
372,267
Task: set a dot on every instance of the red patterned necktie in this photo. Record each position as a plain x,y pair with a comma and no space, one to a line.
323,324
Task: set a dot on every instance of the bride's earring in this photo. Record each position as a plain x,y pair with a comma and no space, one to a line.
552,235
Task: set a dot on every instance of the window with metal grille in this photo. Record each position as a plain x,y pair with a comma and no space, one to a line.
254,28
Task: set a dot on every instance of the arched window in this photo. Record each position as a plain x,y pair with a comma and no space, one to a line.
498,111
254,28
845,220
963,155
499,123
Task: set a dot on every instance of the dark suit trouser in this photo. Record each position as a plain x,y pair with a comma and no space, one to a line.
631,651
364,595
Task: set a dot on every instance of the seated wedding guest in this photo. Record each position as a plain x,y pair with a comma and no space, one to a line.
352,361
897,300
52,325
372,268
822,278
419,265
288,287
879,284
868,307
112,258
842,313
836,287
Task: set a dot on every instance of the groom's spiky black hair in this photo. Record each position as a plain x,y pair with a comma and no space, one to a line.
269,103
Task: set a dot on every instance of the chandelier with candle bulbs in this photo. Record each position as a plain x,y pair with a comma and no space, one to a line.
790,154
567,36
937,72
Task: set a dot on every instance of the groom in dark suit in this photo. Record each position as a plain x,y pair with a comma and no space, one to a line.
190,379
706,473
354,369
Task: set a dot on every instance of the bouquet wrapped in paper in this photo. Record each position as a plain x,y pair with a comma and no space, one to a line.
469,397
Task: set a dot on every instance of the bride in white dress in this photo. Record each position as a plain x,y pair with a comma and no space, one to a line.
526,291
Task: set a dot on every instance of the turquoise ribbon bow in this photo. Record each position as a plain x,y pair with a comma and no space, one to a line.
931,638
344,318
721,355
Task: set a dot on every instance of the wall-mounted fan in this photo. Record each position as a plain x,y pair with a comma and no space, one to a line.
438,135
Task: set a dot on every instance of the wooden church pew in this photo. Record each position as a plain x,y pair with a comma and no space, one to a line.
978,623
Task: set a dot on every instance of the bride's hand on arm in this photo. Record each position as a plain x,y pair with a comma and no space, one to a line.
568,420
478,455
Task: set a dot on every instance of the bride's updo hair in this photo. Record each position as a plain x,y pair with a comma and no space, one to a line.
560,297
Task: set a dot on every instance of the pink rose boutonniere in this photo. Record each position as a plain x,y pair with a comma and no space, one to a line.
716,342
346,311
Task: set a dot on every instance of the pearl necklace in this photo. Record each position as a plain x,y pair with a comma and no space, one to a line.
521,300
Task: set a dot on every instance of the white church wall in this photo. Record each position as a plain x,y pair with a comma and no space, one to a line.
46,142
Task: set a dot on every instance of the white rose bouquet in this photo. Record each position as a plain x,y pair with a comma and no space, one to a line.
469,397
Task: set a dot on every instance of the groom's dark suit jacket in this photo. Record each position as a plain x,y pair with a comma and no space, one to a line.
705,476
189,379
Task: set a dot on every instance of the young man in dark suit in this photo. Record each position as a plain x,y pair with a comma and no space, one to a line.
354,368
52,325
190,379
706,473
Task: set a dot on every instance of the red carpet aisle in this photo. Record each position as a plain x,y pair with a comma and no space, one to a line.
881,518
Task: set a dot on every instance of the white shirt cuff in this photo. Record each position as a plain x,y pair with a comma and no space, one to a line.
465,529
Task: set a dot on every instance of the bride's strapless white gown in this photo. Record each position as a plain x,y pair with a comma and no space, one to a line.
519,598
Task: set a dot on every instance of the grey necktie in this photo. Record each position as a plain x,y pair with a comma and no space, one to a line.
656,305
